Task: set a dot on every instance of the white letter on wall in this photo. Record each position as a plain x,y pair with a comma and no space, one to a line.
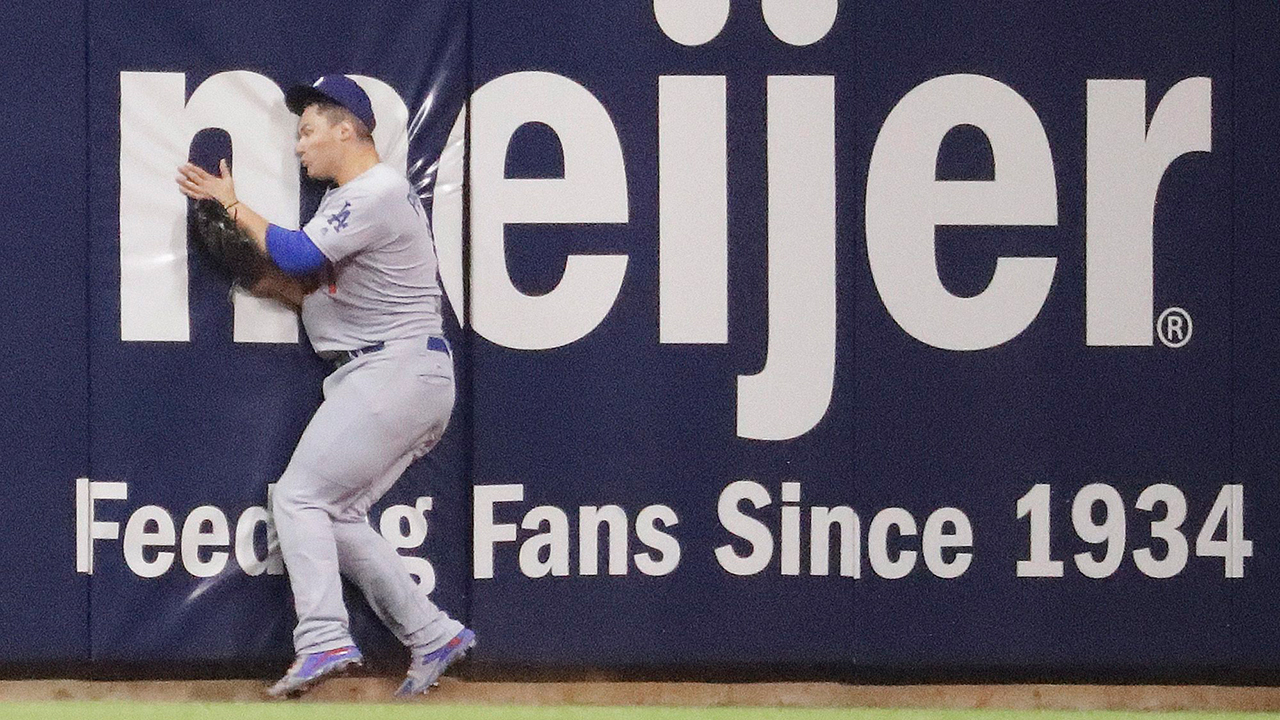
1126,163
593,190
693,211
446,215
156,128
905,202
791,394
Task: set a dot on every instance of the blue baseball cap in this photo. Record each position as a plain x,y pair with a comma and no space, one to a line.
338,89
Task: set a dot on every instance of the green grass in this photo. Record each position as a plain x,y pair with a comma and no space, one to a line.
116,710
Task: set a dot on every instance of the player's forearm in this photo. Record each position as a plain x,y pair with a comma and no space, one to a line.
253,224
291,251
276,285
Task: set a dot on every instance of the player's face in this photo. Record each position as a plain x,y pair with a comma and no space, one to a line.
317,147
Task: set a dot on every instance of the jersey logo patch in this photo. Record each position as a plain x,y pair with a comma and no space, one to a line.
338,220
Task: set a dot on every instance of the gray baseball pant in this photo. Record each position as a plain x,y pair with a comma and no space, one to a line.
381,411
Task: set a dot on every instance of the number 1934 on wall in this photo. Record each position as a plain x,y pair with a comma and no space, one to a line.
1098,517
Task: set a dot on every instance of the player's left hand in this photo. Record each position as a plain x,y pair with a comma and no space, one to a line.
195,182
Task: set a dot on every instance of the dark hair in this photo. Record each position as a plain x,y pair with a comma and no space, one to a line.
335,113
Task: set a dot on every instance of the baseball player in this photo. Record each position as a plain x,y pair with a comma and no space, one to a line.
375,315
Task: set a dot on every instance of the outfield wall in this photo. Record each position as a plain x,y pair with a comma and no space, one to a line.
826,337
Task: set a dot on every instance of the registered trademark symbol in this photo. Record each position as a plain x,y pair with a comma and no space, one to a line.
1174,327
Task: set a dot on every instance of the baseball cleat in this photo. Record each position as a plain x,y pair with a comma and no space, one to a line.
308,670
425,669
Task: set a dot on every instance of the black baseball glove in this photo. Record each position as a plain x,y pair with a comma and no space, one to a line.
214,234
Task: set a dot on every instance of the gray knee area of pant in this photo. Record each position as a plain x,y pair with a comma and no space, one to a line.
299,491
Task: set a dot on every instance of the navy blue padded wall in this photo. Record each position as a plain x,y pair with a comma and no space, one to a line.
44,438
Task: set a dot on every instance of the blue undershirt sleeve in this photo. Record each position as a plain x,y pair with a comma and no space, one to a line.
293,252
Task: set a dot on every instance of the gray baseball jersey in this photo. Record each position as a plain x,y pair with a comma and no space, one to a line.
382,284
381,410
